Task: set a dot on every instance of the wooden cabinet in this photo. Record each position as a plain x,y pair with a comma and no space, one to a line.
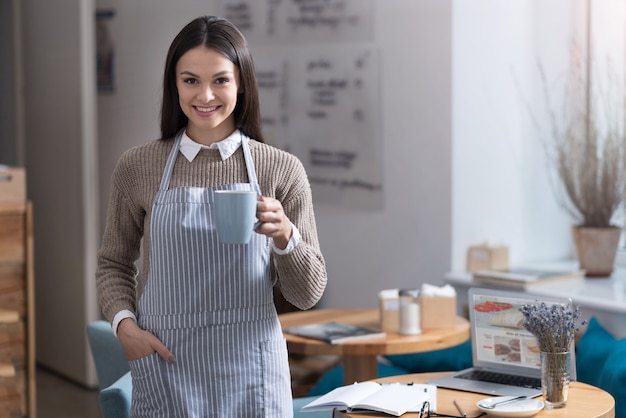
17,327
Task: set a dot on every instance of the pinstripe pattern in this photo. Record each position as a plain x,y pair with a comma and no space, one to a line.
212,305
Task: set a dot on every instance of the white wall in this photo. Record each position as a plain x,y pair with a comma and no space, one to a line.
60,134
503,186
408,242
501,192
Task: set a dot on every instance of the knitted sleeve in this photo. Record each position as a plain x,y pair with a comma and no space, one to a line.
301,274
116,272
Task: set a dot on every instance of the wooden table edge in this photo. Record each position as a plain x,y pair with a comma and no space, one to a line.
582,396
360,357
392,343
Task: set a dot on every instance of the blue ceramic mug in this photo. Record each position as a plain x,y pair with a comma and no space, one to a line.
235,215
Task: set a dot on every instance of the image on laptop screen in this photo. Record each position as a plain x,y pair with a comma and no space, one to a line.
499,333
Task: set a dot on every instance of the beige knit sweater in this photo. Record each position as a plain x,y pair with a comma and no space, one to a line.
300,275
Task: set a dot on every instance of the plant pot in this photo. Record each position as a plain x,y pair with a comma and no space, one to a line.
596,249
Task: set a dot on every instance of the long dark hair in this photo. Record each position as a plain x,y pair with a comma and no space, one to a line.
222,36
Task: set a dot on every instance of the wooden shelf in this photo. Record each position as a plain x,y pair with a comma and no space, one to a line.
17,316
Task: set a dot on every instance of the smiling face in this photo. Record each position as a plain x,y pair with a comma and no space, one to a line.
207,84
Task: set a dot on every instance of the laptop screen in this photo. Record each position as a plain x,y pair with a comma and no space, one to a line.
498,335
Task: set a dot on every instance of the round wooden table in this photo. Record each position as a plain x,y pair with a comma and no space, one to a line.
583,401
359,357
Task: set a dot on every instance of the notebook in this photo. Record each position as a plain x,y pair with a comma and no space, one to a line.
501,346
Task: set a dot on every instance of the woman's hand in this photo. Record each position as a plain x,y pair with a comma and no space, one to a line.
138,343
275,224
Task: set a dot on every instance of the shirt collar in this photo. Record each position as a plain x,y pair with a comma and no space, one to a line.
227,146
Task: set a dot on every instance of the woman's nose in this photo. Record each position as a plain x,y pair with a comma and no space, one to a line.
205,94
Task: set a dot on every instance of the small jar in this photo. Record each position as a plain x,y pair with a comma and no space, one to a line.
410,321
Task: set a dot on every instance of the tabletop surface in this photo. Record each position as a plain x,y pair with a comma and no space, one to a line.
392,343
584,401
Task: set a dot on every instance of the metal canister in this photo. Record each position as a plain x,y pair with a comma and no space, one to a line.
410,321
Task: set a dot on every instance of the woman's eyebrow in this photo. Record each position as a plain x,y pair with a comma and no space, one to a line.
186,72
190,73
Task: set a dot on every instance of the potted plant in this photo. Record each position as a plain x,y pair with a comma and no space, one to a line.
587,148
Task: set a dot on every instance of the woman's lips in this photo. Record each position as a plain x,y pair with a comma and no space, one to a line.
206,109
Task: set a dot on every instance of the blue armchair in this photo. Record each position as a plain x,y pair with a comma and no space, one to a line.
114,380
115,384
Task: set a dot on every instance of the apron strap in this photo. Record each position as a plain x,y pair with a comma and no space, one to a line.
254,182
171,160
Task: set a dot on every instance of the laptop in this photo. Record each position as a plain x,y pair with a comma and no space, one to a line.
505,356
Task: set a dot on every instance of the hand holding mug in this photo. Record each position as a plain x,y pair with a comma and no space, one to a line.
237,212
274,222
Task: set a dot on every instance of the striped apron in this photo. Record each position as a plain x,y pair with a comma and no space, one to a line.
212,305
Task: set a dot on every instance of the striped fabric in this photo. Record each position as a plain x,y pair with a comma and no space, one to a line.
212,305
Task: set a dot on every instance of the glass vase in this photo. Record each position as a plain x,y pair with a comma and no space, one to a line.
555,378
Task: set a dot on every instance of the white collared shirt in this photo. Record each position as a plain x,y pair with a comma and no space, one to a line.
227,146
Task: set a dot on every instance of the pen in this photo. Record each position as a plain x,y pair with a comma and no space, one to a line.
458,407
399,383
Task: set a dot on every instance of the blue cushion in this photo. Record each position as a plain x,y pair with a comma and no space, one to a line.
108,353
450,359
601,361
115,399
613,377
333,378
592,351
300,402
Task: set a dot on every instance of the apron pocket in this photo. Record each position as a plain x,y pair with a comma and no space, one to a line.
145,366
149,397
276,397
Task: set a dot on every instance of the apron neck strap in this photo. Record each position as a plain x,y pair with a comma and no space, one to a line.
171,160
247,155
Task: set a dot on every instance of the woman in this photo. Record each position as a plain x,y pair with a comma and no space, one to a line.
198,325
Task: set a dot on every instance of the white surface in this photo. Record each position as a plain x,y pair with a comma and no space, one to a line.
519,409
604,298
606,294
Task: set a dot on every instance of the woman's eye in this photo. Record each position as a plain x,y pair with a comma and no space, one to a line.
222,80
190,81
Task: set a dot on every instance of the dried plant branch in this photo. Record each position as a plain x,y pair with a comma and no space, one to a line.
588,152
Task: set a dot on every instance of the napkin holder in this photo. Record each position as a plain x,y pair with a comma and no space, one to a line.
389,308
485,257
438,310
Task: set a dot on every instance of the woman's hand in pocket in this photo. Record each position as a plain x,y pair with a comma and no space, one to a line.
138,343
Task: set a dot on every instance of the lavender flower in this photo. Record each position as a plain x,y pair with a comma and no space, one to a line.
553,326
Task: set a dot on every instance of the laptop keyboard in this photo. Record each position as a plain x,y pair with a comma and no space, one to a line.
505,379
